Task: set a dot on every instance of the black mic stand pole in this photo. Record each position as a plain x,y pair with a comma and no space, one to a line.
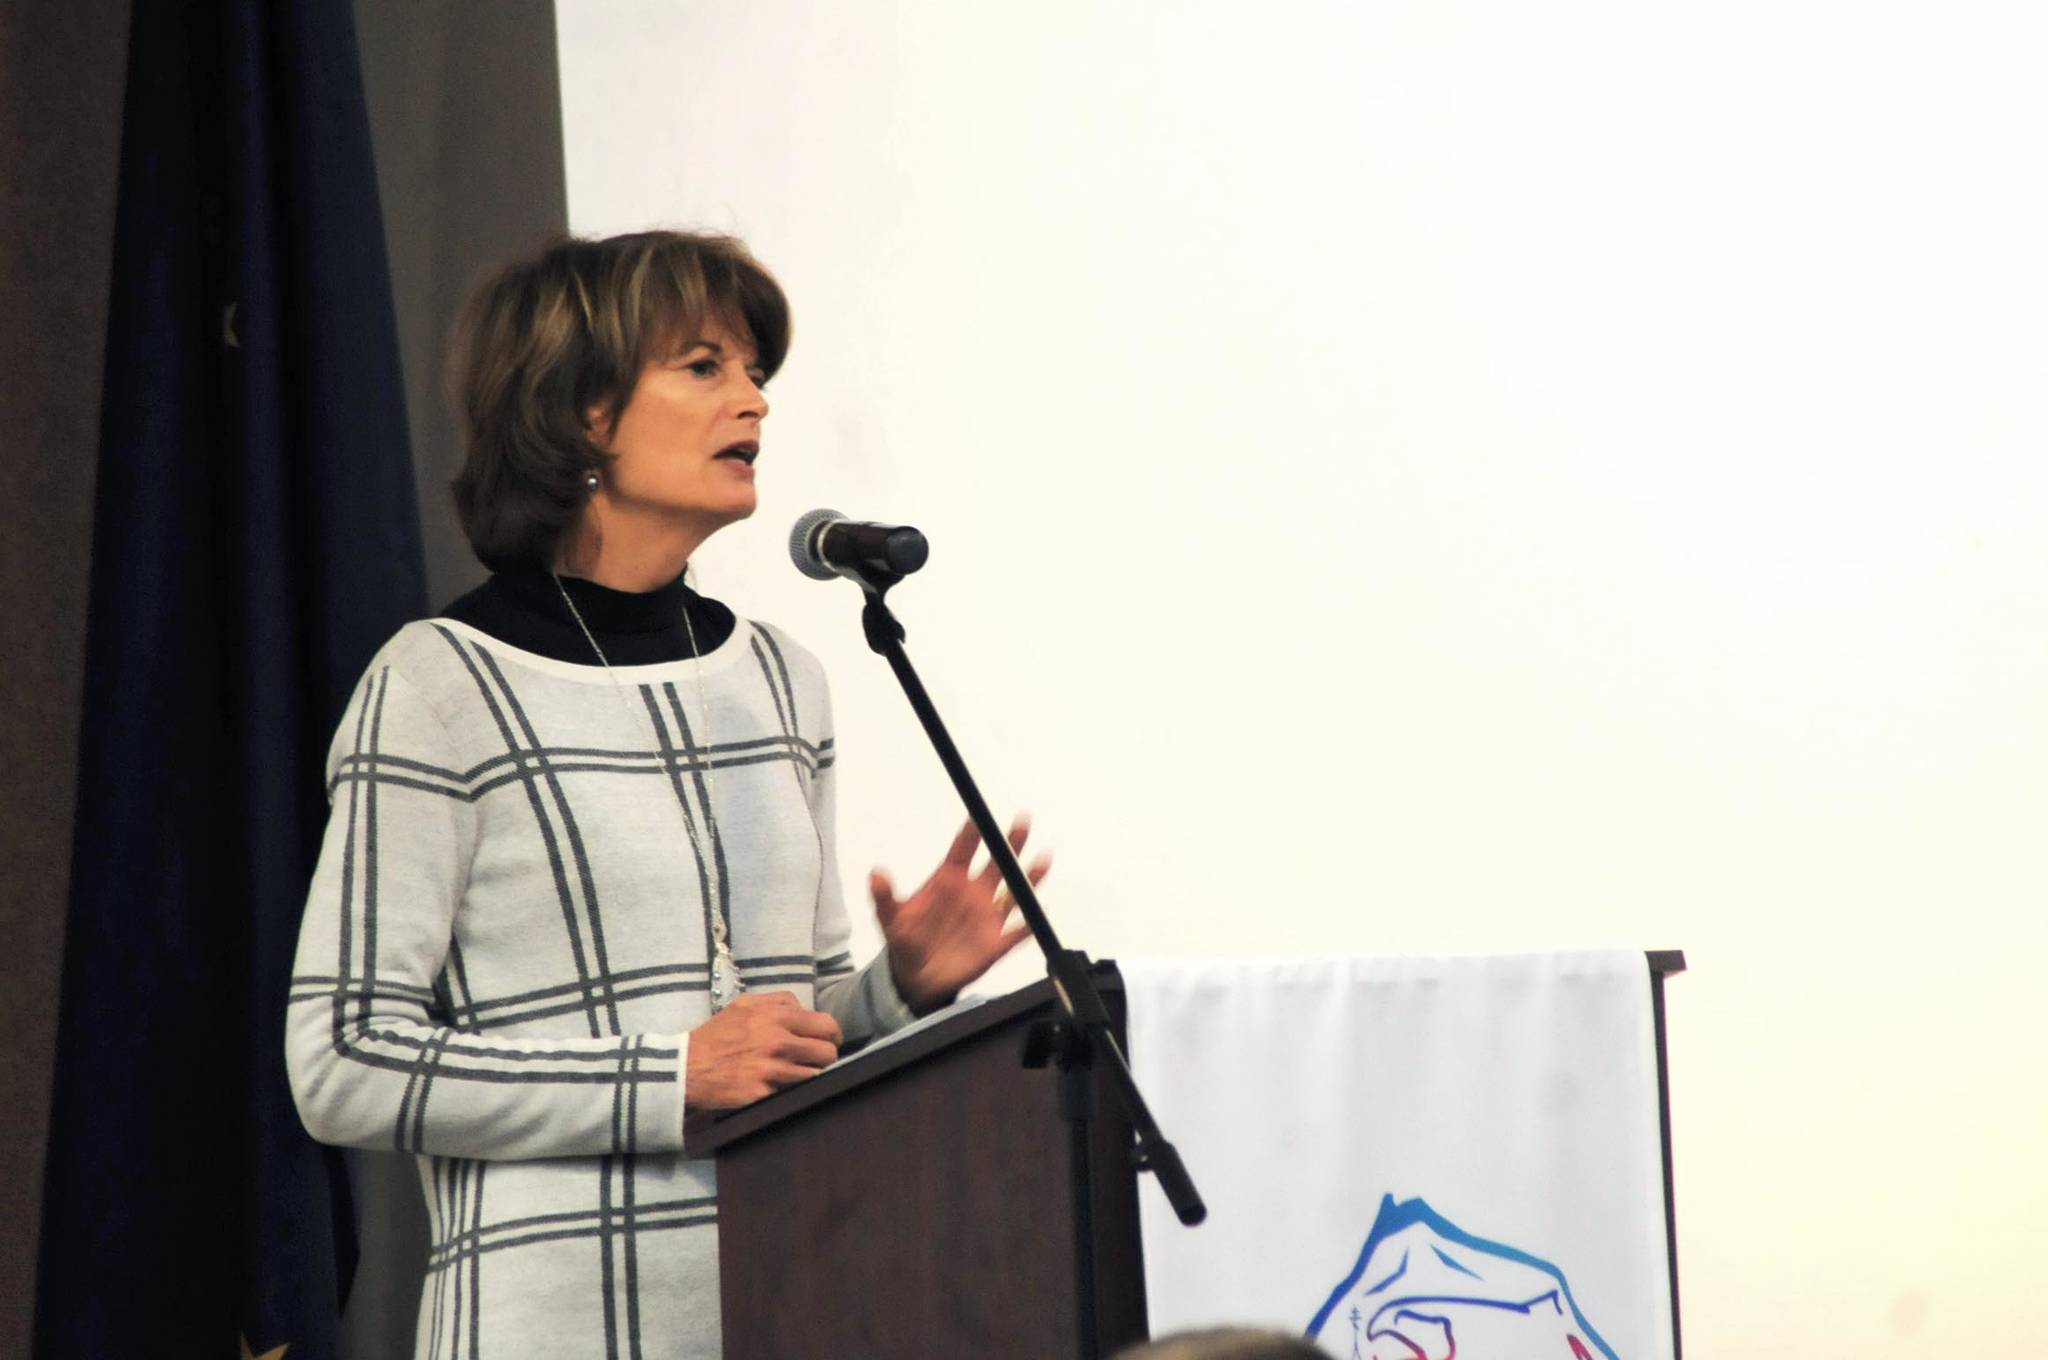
1087,1037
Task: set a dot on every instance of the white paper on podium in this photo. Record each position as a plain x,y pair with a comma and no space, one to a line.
917,1026
1410,1156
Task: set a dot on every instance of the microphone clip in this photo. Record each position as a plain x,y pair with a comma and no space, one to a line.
883,629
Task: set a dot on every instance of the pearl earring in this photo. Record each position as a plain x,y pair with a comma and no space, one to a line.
590,482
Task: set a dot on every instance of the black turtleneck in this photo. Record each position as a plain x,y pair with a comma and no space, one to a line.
524,609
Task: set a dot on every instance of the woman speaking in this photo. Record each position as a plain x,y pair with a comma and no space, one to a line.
579,876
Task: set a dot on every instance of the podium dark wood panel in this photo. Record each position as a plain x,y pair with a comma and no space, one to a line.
930,1200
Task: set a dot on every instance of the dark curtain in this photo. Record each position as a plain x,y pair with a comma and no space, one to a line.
255,539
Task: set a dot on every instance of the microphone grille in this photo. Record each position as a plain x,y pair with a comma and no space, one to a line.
804,552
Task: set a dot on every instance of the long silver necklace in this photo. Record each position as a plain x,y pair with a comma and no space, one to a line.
725,972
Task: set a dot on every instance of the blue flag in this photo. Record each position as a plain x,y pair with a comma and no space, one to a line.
255,540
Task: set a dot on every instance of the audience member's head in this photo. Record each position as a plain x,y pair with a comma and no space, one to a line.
1225,1343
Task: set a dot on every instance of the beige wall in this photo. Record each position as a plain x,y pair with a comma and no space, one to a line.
1613,440
467,122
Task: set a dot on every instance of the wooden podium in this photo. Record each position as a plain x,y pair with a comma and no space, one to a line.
951,1193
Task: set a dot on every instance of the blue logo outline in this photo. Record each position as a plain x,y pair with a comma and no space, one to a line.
1395,1217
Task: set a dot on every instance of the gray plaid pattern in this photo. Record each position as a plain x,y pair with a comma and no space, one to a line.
507,942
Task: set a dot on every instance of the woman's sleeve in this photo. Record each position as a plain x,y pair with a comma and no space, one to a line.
864,1001
373,1062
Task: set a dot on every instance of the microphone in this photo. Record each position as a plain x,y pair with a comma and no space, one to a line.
824,544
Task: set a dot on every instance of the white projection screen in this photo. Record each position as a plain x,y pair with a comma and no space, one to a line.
1453,476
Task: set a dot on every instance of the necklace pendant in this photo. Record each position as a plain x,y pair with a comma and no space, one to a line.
725,977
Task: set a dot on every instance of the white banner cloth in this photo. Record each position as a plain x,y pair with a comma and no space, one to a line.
1410,1157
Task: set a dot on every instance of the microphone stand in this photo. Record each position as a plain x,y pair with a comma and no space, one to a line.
1085,1038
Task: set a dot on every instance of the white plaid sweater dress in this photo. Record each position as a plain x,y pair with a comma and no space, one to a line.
508,939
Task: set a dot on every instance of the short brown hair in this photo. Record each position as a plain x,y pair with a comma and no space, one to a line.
546,340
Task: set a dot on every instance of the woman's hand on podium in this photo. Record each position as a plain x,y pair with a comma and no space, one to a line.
756,1046
954,928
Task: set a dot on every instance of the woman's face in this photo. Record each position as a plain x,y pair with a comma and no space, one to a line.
685,445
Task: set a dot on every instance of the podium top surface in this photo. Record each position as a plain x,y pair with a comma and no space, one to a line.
704,1136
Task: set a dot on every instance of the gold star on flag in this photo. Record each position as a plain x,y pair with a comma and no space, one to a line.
277,1354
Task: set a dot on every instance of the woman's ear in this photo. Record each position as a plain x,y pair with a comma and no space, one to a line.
597,424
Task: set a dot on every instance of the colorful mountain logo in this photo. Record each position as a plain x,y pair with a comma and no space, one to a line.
1425,1289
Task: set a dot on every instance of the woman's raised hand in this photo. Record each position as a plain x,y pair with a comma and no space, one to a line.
954,928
